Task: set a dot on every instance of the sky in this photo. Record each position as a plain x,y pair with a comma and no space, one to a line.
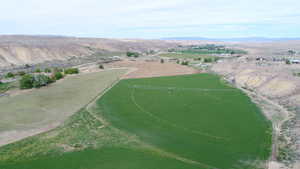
151,19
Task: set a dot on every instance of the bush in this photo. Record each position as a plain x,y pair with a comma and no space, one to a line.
21,73
288,62
72,71
26,82
29,81
133,54
47,70
41,80
38,70
9,75
162,61
57,76
101,67
178,62
185,63
208,60
57,70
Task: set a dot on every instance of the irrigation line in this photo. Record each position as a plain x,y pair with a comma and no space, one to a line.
178,88
172,124
105,123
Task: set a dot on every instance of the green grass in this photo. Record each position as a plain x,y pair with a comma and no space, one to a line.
180,122
179,55
8,86
219,127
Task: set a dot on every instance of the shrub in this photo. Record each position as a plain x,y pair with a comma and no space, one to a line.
47,70
178,62
29,81
26,82
288,62
38,70
133,54
101,67
57,75
162,61
208,60
21,73
72,71
57,70
41,80
185,63
9,75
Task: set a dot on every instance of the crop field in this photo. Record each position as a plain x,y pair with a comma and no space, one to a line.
52,104
176,122
179,55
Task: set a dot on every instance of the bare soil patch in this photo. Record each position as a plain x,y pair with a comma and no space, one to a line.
153,68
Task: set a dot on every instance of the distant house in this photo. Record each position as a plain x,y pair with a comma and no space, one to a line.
260,59
115,58
295,61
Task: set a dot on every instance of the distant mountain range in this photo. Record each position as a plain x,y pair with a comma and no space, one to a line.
243,39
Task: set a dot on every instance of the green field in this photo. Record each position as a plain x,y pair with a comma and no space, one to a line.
179,55
179,122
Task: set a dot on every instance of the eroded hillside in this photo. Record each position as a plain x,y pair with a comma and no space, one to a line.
21,50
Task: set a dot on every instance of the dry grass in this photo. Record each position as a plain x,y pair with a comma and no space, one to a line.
38,110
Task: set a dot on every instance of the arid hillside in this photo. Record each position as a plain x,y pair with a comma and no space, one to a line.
21,50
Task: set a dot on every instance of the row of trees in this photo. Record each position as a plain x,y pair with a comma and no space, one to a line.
133,54
29,81
47,70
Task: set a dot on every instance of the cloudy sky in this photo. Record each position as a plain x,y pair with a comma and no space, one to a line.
152,18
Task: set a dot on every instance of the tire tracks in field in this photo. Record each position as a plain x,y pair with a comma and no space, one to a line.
90,106
172,124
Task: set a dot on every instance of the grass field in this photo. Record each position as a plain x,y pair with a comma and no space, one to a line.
179,122
179,55
53,103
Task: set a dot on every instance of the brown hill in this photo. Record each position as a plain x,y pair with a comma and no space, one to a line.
21,50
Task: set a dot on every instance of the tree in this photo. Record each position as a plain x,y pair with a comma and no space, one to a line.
208,60
57,70
185,63
162,61
57,75
291,52
9,75
40,80
101,67
132,54
26,82
21,73
29,81
38,70
47,70
288,62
